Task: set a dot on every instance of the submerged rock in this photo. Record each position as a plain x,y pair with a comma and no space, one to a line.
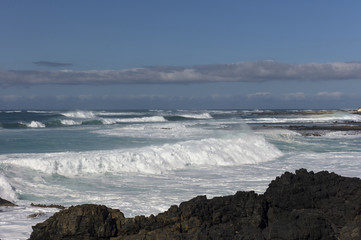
304,205
47,206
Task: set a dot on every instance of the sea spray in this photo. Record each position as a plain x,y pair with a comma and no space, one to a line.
79,114
142,166
245,148
6,190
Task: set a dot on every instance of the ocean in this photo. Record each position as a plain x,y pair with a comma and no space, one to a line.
144,161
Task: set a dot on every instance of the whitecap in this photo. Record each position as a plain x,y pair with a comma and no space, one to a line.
197,116
79,114
69,122
35,124
243,149
135,120
6,190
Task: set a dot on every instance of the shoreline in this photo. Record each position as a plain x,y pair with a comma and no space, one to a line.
296,205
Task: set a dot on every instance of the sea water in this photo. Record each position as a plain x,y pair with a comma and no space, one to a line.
142,162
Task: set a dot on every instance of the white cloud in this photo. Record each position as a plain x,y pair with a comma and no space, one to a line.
61,97
329,95
236,72
85,96
294,96
8,98
259,95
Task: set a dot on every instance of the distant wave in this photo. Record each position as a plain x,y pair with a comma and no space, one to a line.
197,116
12,111
35,111
66,122
139,119
71,122
79,114
106,121
245,149
119,113
327,118
109,121
170,130
35,124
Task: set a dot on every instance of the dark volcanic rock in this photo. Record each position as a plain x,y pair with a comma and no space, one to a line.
201,218
4,202
80,222
304,205
313,206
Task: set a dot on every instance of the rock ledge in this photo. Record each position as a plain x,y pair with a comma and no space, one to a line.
304,205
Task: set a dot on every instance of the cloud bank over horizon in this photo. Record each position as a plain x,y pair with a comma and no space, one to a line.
52,64
291,100
259,71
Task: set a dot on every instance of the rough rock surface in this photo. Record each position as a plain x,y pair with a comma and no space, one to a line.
86,221
4,202
303,205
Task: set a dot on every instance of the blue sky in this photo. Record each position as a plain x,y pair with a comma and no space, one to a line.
179,54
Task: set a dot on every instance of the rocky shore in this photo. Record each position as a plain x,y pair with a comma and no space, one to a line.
6,203
300,205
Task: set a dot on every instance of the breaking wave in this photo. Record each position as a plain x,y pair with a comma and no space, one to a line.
35,124
197,116
79,114
244,149
6,190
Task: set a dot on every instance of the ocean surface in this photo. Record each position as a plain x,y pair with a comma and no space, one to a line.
142,162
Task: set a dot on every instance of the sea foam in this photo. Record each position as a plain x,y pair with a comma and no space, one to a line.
326,118
79,114
197,116
35,124
6,190
243,149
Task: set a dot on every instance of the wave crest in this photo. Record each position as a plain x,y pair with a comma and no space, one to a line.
79,114
245,149
6,190
35,124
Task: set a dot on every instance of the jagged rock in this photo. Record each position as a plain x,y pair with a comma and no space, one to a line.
303,205
4,202
314,206
80,222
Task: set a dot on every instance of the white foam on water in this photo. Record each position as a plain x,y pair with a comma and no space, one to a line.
35,124
144,119
109,121
15,222
342,134
37,111
224,111
133,120
69,122
162,130
244,149
197,115
6,190
14,111
79,114
136,194
344,163
325,118
119,113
